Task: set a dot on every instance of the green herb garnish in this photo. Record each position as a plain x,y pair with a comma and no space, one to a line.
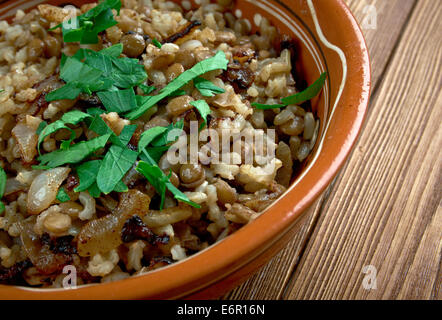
79,77
308,94
86,27
118,101
87,173
179,92
62,195
157,43
100,71
298,98
261,106
94,191
73,117
203,108
3,179
99,126
160,139
146,89
113,51
161,182
170,135
206,87
41,126
75,154
114,80
148,136
217,62
116,163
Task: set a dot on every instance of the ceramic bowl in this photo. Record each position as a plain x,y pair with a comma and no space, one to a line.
328,39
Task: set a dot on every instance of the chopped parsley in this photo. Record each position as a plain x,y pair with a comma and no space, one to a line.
161,182
99,126
216,62
118,101
203,108
87,173
75,154
101,72
156,43
116,163
298,98
73,117
206,87
159,140
146,89
62,195
86,27
114,79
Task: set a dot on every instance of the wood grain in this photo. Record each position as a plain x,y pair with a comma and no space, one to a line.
385,208
382,41
272,280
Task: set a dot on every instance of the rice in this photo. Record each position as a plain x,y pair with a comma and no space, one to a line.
230,195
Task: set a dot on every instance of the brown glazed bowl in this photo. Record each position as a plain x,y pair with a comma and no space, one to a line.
328,39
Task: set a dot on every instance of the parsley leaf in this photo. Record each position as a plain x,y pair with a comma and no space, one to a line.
118,101
3,179
76,153
206,87
100,71
161,182
87,173
262,106
148,136
41,126
62,195
86,27
126,134
127,73
203,108
73,117
70,91
298,98
116,163
216,62
170,135
99,126
308,94
157,43
153,153
79,77
95,111
94,191
177,93
113,51
146,89
121,187
156,177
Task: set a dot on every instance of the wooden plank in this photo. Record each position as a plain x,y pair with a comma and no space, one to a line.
385,209
390,19
270,282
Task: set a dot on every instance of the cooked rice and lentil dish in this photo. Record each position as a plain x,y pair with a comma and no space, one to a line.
85,109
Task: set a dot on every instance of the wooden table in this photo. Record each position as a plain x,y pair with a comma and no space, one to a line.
382,215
